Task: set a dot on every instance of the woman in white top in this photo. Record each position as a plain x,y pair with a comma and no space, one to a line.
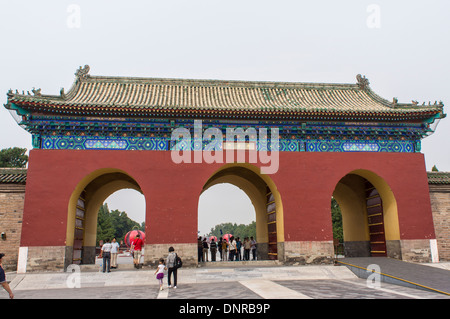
232,248
114,252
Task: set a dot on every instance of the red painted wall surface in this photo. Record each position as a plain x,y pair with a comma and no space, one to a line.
305,181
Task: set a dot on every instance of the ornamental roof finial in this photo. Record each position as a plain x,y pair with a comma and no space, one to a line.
36,92
363,82
82,73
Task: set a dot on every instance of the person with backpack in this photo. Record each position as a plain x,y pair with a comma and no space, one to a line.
173,263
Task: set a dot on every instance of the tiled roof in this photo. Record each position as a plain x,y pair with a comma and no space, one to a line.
112,96
438,178
13,175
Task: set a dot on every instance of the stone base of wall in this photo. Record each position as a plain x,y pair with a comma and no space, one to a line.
89,254
394,249
362,249
187,252
416,250
308,252
42,259
261,251
57,258
357,248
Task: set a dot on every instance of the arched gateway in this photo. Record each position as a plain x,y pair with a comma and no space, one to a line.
289,146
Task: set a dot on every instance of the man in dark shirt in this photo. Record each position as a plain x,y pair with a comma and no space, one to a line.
3,282
213,248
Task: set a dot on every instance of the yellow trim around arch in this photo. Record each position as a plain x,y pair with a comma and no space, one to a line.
93,202
352,203
390,213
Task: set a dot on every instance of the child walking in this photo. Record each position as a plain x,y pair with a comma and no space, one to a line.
160,273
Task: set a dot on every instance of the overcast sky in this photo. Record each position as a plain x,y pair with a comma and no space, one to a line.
403,48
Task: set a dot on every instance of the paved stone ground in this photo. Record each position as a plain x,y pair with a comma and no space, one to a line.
309,289
423,275
357,289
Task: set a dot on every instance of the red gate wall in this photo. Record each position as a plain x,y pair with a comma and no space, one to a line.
305,181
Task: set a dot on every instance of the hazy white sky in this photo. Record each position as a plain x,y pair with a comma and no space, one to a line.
403,48
215,206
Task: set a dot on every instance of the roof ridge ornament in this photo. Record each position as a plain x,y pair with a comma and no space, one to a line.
363,82
82,73
36,92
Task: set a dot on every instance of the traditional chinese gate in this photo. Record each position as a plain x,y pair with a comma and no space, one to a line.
318,133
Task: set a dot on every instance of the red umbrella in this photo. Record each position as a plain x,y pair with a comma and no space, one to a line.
132,234
213,237
227,237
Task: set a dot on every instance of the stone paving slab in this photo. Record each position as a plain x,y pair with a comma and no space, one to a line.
232,291
356,289
216,290
299,282
187,275
272,290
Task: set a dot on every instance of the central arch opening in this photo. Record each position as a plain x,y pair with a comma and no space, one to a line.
225,209
223,204
265,199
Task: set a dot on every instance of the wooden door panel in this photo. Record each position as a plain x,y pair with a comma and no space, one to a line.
375,221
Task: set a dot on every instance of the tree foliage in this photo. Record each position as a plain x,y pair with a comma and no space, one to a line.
336,218
114,223
240,230
13,157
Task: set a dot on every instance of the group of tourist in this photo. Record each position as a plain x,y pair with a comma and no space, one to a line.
230,250
110,250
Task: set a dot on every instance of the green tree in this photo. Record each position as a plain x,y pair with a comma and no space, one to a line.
114,223
13,157
236,230
336,218
105,227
